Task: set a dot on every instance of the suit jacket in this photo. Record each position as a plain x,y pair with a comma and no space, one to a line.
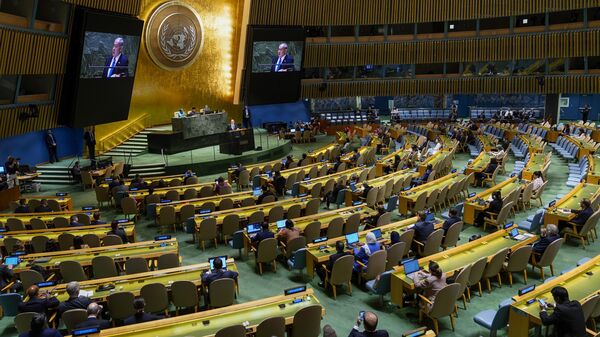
208,278
581,217
50,140
42,209
39,305
422,230
262,235
287,63
45,333
6,275
378,333
22,209
567,319
229,128
490,168
121,67
145,317
89,138
80,302
120,232
333,258
495,206
449,222
540,246
93,322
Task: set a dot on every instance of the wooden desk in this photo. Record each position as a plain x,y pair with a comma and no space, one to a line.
192,324
102,172
6,196
134,283
141,194
351,196
472,205
198,202
479,164
387,161
314,155
535,145
487,142
47,217
146,249
66,203
585,148
265,178
53,233
593,176
580,286
319,253
457,258
261,168
324,218
562,209
28,177
307,185
537,162
347,157
150,180
408,198
433,160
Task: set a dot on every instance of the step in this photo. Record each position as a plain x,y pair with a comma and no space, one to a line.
55,182
161,165
136,142
148,174
150,169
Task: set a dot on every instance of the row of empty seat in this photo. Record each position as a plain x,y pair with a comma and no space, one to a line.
420,114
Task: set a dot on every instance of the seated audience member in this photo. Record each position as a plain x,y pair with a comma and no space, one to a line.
76,172
328,331
366,189
279,183
340,250
494,207
355,156
423,179
288,160
221,186
423,228
487,172
93,310
394,238
78,243
265,233
454,218
370,321
289,232
265,192
140,316
23,207
346,147
362,254
372,221
218,273
336,165
114,183
567,317
96,219
6,274
37,302
38,328
583,214
3,182
138,182
303,161
537,181
75,301
43,207
547,236
331,196
430,281
189,173
74,221
118,231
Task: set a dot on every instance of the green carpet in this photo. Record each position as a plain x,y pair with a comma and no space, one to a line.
341,314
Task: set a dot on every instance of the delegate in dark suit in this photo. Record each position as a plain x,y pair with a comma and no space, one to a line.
39,305
209,277
45,333
567,318
141,318
340,251
50,141
90,141
286,64
449,222
582,215
422,230
378,333
540,246
80,302
120,68
93,322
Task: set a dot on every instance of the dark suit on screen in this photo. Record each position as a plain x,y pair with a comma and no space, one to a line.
287,64
120,68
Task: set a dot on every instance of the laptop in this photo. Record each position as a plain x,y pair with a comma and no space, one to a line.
410,267
353,187
256,192
205,211
515,235
280,224
292,130
430,217
12,260
377,233
351,239
253,228
211,261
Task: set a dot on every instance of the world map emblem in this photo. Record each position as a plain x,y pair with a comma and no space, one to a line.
174,35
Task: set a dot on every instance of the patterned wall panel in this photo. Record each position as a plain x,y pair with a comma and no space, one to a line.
27,53
11,125
368,12
131,7
476,85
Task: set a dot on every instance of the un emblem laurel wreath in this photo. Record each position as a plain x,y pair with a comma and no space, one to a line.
167,51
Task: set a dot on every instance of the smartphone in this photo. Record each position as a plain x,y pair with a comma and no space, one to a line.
542,302
361,315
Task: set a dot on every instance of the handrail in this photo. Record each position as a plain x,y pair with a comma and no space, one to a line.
122,134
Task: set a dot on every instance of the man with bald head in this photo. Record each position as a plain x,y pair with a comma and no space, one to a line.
370,330
36,302
93,311
283,61
117,64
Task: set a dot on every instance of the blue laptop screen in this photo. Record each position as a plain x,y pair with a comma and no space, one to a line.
223,261
256,192
411,266
253,228
280,224
377,233
352,238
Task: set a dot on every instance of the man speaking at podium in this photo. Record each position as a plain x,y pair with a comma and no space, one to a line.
117,64
283,62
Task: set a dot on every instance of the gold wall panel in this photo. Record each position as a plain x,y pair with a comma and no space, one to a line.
515,47
28,53
369,12
160,92
131,7
10,124
441,86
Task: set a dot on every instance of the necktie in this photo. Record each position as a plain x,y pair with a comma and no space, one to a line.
112,67
279,61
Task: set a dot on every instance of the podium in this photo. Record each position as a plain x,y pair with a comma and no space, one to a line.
236,142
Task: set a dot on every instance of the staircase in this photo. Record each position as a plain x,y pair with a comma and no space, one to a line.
54,174
147,170
136,145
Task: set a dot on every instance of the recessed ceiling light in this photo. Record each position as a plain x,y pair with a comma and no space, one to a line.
525,21
451,26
